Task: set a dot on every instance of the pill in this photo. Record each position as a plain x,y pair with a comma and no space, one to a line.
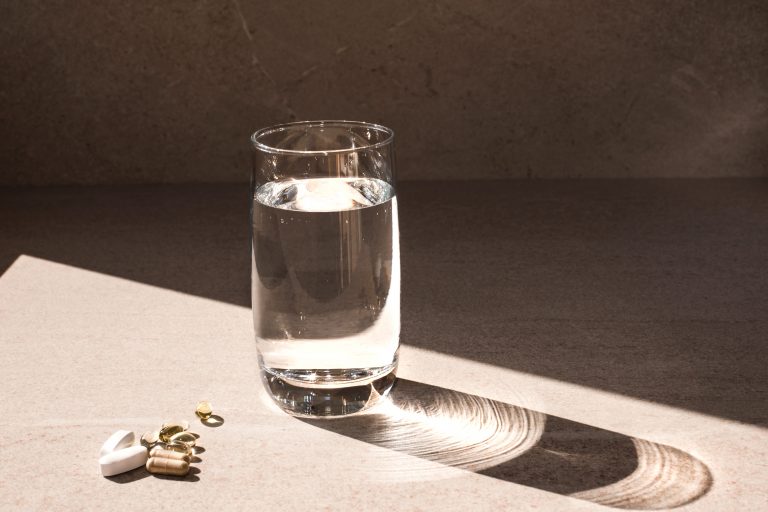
184,424
179,447
169,429
164,466
167,454
118,440
204,410
188,438
123,460
150,438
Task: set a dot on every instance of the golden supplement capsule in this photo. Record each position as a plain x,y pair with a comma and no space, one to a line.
204,410
169,429
150,438
184,424
168,454
164,466
179,447
188,438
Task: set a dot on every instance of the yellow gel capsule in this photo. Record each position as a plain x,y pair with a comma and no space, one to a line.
150,438
170,429
184,424
187,438
204,410
179,447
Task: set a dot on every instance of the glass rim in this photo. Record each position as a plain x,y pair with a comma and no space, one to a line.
390,136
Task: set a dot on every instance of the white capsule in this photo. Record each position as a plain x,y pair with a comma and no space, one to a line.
118,440
123,460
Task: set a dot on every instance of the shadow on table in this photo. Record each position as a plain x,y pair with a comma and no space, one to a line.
448,429
141,473
192,239
614,285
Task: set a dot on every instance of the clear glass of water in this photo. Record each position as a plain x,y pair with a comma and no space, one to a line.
325,278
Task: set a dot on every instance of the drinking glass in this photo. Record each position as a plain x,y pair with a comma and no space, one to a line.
325,273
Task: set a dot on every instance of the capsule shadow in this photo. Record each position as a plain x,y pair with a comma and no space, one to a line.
130,476
213,421
189,477
523,446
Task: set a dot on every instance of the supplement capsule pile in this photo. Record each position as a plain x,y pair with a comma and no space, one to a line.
168,451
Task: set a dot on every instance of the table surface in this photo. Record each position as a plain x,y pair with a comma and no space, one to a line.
566,345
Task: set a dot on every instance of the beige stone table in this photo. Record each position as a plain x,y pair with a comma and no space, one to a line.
566,345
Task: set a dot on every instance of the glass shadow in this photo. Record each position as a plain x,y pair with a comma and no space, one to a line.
522,446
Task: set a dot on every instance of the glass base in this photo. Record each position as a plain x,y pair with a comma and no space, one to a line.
328,393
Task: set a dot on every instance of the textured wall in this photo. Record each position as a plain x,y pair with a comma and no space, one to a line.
112,91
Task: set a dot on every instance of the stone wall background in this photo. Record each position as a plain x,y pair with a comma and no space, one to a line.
145,92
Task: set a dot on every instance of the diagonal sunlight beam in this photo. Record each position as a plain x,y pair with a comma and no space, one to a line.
65,324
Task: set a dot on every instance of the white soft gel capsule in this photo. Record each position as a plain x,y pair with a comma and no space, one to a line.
118,440
123,460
